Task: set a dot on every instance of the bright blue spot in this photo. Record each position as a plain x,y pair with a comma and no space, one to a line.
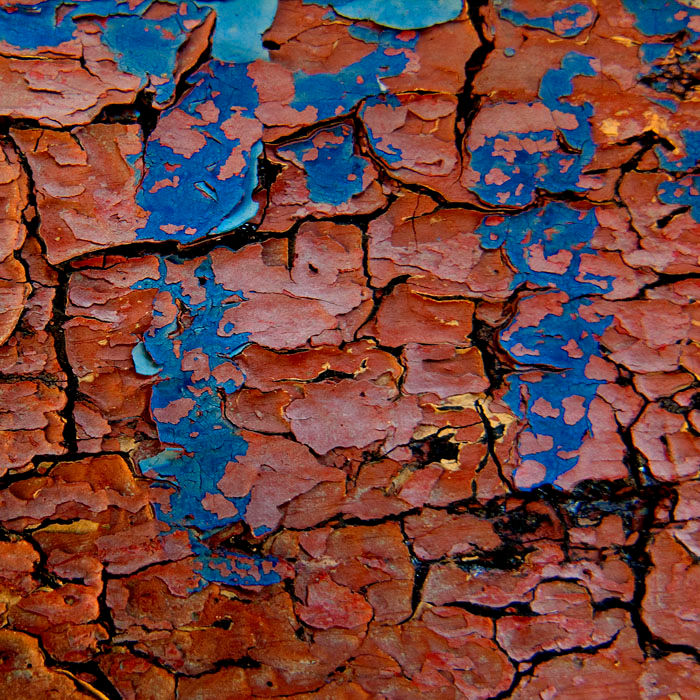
397,14
683,193
143,363
555,228
653,52
204,201
661,17
240,25
552,169
561,345
333,94
691,160
509,52
202,442
335,174
571,14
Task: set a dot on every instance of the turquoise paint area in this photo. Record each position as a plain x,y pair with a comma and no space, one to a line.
561,344
685,192
141,46
662,17
568,22
187,351
333,94
334,174
143,362
556,233
206,200
513,179
397,14
239,26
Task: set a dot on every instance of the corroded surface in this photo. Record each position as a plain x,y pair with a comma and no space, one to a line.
349,349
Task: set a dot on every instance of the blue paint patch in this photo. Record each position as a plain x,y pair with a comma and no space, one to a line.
207,199
512,181
31,26
654,51
567,23
562,343
189,349
334,174
143,362
683,193
563,378
682,163
333,94
662,17
554,234
556,85
543,345
389,153
232,569
670,105
143,47
665,63
239,26
397,14
148,48
541,161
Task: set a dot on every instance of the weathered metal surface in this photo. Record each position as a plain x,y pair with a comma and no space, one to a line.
349,349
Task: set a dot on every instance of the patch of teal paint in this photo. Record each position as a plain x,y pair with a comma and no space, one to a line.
397,14
334,174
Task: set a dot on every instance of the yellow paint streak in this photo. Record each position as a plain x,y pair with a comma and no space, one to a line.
78,527
83,685
610,127
625,41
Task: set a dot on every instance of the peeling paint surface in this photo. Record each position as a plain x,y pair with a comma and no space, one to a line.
349,349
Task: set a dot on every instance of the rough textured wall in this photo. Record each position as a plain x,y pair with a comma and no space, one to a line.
349,349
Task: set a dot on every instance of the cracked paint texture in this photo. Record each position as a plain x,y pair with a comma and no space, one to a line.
349,349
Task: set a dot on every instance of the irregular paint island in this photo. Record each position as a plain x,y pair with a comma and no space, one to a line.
349,349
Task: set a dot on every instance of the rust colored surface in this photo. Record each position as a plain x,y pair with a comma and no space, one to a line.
349,349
